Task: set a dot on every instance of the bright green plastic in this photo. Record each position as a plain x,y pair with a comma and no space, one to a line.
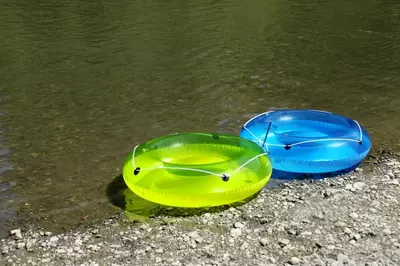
244,162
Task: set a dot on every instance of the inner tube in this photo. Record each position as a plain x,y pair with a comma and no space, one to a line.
197,169
308,141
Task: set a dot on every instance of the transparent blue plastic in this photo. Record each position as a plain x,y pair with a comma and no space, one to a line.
308,141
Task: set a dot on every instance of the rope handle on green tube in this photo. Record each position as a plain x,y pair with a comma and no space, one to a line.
224,176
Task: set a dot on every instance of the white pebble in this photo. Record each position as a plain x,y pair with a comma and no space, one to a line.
238,225
353,215
263,241
294,261
235,232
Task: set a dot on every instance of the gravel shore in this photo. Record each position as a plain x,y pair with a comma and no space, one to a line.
348,220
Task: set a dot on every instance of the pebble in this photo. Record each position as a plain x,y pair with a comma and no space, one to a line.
391,175
20,245
340,224
17,233
238,225
160,250
330,247
284,242
347,231
353,215
194,234
30,244
294,261
338,197
342,258
53,239
263,241
356,237
5,250
236,232
359,185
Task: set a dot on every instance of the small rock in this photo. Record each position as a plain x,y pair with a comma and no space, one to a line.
342,258
47,233
17,233
358,170
391,175
386,231
235,232
30,244
356,237
53,239
353,215
358,185
347,231
338,196
160,250
375,203
60,251
328,193
340,224
5,250
20,245
319,215
244,246
238,225
331,247
294,261
284,242
263,241
194,234
158,259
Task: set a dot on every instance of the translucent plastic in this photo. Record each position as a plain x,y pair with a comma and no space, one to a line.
308,141
197,169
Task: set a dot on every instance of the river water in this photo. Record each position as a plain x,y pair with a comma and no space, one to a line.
83,82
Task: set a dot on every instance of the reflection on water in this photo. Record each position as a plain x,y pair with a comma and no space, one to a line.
83,82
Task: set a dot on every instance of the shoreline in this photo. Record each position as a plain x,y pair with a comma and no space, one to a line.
351,219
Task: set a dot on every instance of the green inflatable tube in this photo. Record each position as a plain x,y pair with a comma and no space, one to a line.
197,169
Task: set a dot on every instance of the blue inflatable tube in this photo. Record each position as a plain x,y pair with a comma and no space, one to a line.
308,141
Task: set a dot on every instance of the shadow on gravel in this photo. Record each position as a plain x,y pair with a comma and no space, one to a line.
138,209
287,176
